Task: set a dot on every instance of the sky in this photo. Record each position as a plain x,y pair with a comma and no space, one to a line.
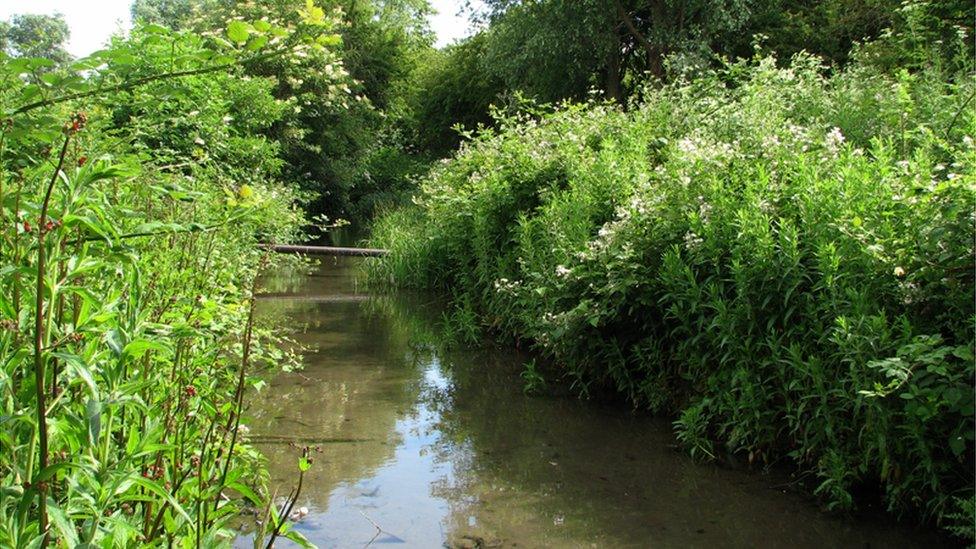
447,24
93,21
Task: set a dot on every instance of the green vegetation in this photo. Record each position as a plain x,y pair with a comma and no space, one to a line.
755,216
32,35
780,258
338,133
134,189
555,50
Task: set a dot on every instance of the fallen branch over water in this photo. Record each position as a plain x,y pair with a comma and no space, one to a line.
285,439
325,250
340,298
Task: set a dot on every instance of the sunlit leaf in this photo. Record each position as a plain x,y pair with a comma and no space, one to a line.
238,31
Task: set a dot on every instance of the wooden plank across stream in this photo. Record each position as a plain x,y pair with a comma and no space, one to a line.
326,250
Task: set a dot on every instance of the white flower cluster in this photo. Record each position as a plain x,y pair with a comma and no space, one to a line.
693,241
504,285
638,205
704,210
834,141
799,135
698,149
910,292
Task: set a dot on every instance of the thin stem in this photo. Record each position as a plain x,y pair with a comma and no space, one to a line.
956,117
39,344
239,394
289,505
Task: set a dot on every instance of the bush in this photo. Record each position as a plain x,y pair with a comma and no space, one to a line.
782,260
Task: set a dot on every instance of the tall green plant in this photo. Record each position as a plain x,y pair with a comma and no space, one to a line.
124,294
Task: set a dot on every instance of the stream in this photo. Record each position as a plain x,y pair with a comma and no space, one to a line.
422,448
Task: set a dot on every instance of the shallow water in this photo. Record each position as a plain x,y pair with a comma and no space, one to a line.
439,449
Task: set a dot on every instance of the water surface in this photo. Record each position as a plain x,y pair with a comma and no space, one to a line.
420,448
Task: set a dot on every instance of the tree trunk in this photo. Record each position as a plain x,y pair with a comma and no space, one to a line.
613,89
655,54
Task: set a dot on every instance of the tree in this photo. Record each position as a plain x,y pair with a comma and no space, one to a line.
175,14
32,35
345,100
453,86
556,49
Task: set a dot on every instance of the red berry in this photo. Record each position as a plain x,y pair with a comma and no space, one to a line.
191,390
82,160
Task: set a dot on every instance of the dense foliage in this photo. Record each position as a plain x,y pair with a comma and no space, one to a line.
553,50
343,100
33,35
134,189
781,259
778,252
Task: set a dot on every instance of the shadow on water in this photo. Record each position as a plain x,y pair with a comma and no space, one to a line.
442,448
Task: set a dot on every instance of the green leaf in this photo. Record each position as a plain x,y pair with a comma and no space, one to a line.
95,227
329,40
137,348
155,488
312,14
51,470
957,445
256,43
246,492
963,352
298,538
238,31
114,341
77,366
62,524
153,28
93,417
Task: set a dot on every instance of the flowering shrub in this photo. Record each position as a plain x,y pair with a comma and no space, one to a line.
781,259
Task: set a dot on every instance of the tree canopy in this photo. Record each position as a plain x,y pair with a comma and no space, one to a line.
32,35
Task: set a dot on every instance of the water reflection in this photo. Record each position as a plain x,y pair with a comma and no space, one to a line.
442,448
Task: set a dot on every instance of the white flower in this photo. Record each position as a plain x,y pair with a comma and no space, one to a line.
692,240
834,140
704,209
562,271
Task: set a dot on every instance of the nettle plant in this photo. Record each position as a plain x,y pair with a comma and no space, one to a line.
126,294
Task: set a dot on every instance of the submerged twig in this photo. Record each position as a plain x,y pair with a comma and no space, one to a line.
379,530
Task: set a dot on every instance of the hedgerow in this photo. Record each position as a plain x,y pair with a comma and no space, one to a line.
780,258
